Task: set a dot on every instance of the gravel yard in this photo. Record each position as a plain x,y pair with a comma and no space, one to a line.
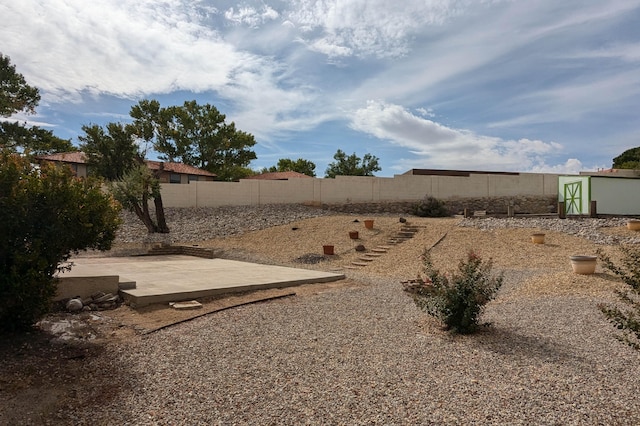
356,353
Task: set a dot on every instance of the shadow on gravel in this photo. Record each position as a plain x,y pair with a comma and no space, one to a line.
510,343
45,381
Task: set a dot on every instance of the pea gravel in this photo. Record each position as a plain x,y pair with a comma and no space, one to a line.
365,355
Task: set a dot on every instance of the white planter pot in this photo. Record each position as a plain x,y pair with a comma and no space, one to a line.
584,265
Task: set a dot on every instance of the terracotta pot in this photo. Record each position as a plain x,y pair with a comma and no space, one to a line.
327,249
368,223
353,235
584,265
537,238
633,224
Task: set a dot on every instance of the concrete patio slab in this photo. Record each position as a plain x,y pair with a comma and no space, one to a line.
162,279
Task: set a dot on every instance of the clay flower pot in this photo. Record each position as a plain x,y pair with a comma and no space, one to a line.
582,264
328,249
633,224
368,223
353,235
537,238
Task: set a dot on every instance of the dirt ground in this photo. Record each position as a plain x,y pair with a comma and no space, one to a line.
40,367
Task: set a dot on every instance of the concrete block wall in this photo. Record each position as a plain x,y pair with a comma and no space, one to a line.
359,189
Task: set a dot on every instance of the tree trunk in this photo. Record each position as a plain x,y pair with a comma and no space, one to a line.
162,223
157,201
145,218
151,227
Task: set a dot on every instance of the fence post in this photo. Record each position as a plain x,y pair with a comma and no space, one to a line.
562,214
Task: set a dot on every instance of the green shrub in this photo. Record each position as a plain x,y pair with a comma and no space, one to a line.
430,207
457,299
627,319
45,215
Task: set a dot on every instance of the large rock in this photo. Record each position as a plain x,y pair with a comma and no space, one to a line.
74,305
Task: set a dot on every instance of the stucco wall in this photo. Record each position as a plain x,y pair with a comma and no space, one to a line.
359,189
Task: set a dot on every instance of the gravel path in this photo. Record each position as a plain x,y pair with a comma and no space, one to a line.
366,355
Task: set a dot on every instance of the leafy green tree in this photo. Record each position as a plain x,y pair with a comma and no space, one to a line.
111,152
134,190
630,159
45,215
352,165
196,135
300,165
17,96
32,140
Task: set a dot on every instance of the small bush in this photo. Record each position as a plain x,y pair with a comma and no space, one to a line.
430,207
627,320
457,299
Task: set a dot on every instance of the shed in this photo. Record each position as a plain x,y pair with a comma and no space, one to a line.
607,194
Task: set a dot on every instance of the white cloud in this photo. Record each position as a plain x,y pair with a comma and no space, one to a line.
276,67
251,16
439,146
426,112
136,48
572,101
366,27
126,48
629,52
26,120
572,166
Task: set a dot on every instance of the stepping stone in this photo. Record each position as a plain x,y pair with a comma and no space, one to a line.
182,306
379,250
384,247
359,263
373,254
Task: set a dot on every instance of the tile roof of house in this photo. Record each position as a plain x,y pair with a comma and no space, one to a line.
81,158
178,168
66,157
279,176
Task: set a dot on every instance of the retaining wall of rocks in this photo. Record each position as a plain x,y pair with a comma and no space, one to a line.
492,205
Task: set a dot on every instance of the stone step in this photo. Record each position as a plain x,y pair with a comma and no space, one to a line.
404,235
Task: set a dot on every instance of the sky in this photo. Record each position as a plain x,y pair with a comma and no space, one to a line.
493,85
